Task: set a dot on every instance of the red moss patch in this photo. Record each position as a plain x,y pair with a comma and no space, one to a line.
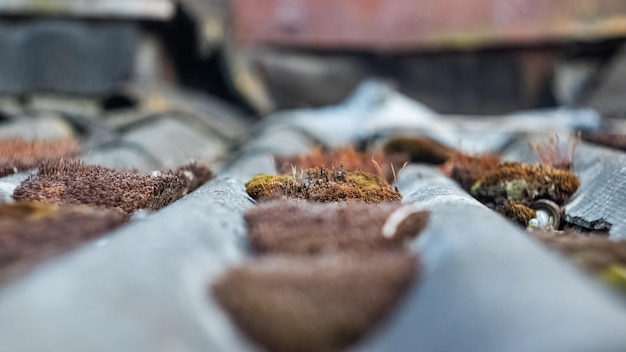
593,253
466,169
193,175
74,183
17,154
418,150
557,154
32,232
314,303
596,254
348,159
611,140
323,185
307,228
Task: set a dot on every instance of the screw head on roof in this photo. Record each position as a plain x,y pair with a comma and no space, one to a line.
549,214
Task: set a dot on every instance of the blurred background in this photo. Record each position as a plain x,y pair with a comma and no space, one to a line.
234,84
471,57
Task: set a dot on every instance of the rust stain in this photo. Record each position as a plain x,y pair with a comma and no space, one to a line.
384,25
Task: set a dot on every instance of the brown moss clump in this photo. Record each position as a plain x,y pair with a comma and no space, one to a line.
319,303
418,150
194,175
518,213
519,183
592,252
296,227
348,159
323,185
596,254
262,186
17,154
611,140
74,183
32,232
467,169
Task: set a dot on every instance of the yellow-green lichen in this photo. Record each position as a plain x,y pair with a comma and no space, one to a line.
615,276
264,186
515,189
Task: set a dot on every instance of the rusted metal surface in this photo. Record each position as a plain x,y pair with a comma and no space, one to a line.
153,9
400,25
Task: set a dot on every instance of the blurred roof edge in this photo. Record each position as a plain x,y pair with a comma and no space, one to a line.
408,25
124,9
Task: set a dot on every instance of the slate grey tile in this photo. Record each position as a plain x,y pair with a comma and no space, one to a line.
486,286
142,288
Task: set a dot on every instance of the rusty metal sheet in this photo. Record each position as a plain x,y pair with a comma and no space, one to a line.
397,25
150,9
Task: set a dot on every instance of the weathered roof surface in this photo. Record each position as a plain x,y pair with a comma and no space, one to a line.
599,203
484,286
489,287
120,9
143,288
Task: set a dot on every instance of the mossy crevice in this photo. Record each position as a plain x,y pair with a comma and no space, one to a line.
595,253
523,184
323,185
518,213
467,169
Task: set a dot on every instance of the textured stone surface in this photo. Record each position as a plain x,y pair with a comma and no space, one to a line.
142,288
